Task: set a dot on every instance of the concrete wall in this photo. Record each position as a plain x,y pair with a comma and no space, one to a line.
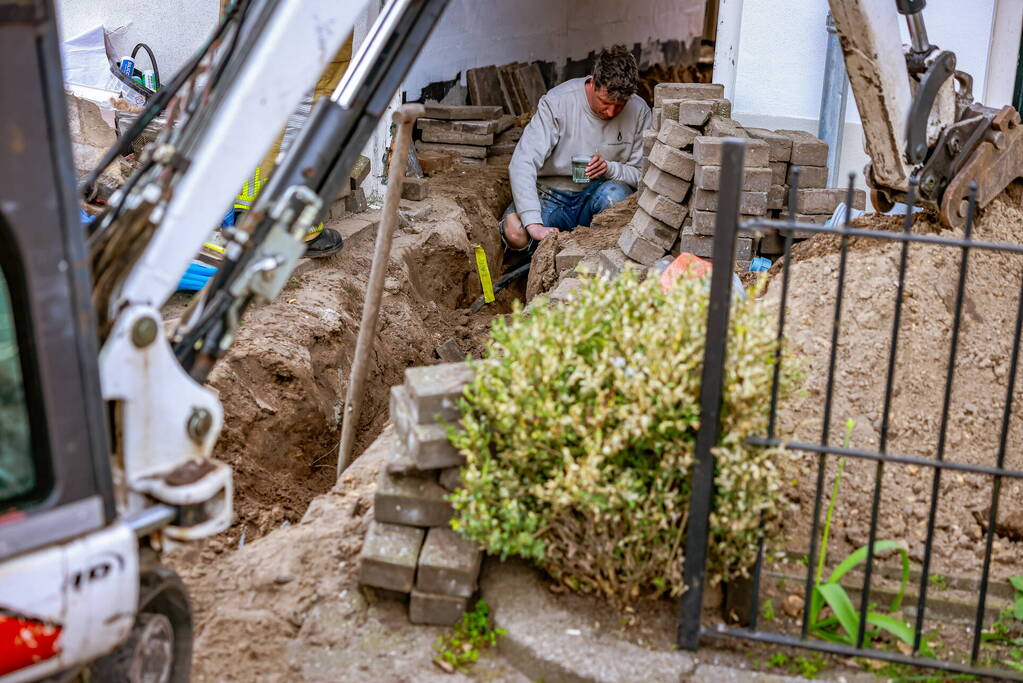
174,30
481,32
779,64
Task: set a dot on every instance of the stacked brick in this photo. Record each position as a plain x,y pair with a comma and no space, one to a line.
815,202
352,198
410,547
466,132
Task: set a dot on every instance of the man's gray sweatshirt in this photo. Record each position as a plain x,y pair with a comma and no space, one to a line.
564,127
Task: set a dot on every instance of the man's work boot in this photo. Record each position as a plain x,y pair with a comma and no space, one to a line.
326,243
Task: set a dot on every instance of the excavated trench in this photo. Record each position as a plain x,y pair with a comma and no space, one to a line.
284,381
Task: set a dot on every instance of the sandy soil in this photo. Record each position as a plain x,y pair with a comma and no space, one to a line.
977,399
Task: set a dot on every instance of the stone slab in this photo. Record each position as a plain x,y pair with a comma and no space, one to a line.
464,112
438,610
532,84
458,151
356,202
565,291
360,171
430,447
491,127
779,172
513,100
457,138
707,152
703,246
412,499
652,230
389,556
674,161
674,134
449,564
414,189
450,478
433,163
566,259
750,203
435,390
780,145
639,249
724,127
666,184
660,208
825,200
777,196
705,223
807,149
810,177
649,138
753,179
656,118
687,91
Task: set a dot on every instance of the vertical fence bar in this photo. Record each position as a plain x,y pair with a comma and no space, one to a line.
711,385
826,428
886,414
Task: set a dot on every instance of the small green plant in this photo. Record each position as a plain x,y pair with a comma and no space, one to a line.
844,624
1002,633
809,667
460,647
767,610
938,582
778,659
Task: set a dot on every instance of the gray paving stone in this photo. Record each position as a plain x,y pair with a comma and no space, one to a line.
663,209
439,610
780,145
674,134
779,172
666,184
809,177
413,499
389,556
687,91
825,200
430,447
639,249
707,152
435,390
457,137
673,161
750,203
449,564
807,149
753,179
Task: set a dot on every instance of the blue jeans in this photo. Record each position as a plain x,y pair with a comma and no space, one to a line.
566,210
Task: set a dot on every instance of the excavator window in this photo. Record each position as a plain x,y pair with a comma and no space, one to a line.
18,475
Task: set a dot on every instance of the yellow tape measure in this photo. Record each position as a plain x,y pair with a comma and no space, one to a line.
484,270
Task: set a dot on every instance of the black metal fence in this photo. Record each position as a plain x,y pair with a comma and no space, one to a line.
694,619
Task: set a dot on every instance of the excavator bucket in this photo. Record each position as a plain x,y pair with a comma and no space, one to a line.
994,164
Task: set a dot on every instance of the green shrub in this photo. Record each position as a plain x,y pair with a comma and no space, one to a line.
579,434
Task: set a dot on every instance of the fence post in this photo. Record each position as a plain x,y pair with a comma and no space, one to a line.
711,384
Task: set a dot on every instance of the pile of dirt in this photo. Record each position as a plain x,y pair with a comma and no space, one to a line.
284,380
602,234
977,401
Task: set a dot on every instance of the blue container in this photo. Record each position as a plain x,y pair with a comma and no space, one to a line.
127,66
760,264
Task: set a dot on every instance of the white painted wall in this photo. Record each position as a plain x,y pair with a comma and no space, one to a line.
173,29
481,32
779,65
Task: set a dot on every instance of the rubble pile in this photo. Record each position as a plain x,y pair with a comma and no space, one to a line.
410,547
678,194
468,133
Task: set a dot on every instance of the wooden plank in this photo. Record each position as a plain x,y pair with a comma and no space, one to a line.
512,102
533,86
484,86
461,112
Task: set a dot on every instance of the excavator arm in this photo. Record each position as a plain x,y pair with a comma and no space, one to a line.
919,116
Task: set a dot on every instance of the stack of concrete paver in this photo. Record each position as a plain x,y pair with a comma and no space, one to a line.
410,547
352,198
678,194
466,132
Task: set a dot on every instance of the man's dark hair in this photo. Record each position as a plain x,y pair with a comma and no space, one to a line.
616,71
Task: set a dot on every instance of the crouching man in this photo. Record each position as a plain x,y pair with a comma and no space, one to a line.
599,121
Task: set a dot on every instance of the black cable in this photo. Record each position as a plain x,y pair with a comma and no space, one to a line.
157,104
152,59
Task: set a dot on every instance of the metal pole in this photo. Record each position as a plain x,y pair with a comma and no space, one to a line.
405,117
834,95
726,45
711,386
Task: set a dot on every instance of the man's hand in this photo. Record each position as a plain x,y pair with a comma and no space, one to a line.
538,231
596,168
